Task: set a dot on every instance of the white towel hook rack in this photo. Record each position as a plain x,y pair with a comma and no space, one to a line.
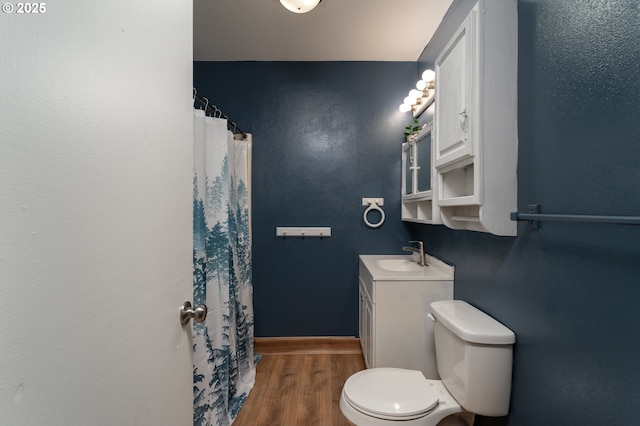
309,231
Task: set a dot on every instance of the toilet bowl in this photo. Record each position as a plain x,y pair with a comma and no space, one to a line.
474,355
387,396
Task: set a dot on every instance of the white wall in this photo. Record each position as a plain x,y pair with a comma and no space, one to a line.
95,213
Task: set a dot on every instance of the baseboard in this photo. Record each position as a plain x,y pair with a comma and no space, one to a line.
307,345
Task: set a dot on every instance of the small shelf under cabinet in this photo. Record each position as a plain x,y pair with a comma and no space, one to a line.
418,209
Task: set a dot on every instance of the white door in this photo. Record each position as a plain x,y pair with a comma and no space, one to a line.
95,213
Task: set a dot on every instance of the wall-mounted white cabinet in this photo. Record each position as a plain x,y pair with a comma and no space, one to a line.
418,195
475,125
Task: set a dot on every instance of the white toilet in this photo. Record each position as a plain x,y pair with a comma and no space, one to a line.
474,354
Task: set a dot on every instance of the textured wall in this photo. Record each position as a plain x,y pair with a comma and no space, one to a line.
569,291
326,134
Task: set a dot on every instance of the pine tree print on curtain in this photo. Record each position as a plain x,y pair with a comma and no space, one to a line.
224,364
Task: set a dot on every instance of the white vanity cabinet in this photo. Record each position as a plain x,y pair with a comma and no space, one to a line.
475,123
395,330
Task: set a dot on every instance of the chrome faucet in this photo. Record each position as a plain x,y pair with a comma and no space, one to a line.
419,250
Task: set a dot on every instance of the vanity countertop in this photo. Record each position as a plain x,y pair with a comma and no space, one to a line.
405,268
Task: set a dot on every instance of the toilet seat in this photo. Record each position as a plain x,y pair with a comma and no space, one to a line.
390,393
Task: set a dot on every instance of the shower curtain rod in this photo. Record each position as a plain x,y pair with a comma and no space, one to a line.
216,112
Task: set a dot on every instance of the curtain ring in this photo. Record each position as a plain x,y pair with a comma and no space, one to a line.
206,106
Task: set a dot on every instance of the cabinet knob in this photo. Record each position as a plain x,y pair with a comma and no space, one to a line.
463,119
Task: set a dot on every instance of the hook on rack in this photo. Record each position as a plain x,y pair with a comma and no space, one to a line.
309,231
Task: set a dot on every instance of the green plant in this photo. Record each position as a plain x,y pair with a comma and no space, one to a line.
411,129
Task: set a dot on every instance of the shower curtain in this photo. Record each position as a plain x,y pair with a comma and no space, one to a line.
224,364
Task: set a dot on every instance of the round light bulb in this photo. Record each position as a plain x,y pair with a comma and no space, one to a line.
415,94
404,108
428,75
421,85
407,100
300,6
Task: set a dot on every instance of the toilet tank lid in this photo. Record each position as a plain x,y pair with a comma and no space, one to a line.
470,323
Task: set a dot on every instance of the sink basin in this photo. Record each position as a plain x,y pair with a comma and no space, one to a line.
398,265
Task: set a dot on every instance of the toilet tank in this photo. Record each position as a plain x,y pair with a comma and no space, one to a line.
474,354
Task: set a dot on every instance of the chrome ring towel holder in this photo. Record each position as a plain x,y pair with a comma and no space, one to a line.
374,204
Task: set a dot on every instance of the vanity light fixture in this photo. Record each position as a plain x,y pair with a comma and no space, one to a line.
300,6
422,96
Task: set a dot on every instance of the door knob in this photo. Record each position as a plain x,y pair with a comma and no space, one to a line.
187,312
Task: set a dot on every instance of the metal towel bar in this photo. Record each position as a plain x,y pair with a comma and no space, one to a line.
534,217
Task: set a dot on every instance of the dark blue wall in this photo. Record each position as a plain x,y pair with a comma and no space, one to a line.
571,292
326,134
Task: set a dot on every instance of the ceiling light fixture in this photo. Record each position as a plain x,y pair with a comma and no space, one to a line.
300,6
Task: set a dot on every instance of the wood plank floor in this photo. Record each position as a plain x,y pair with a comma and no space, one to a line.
299,381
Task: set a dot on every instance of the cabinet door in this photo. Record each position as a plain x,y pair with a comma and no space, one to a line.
360,319
407,171
416,163
453,97
422,153
368,333
364,326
